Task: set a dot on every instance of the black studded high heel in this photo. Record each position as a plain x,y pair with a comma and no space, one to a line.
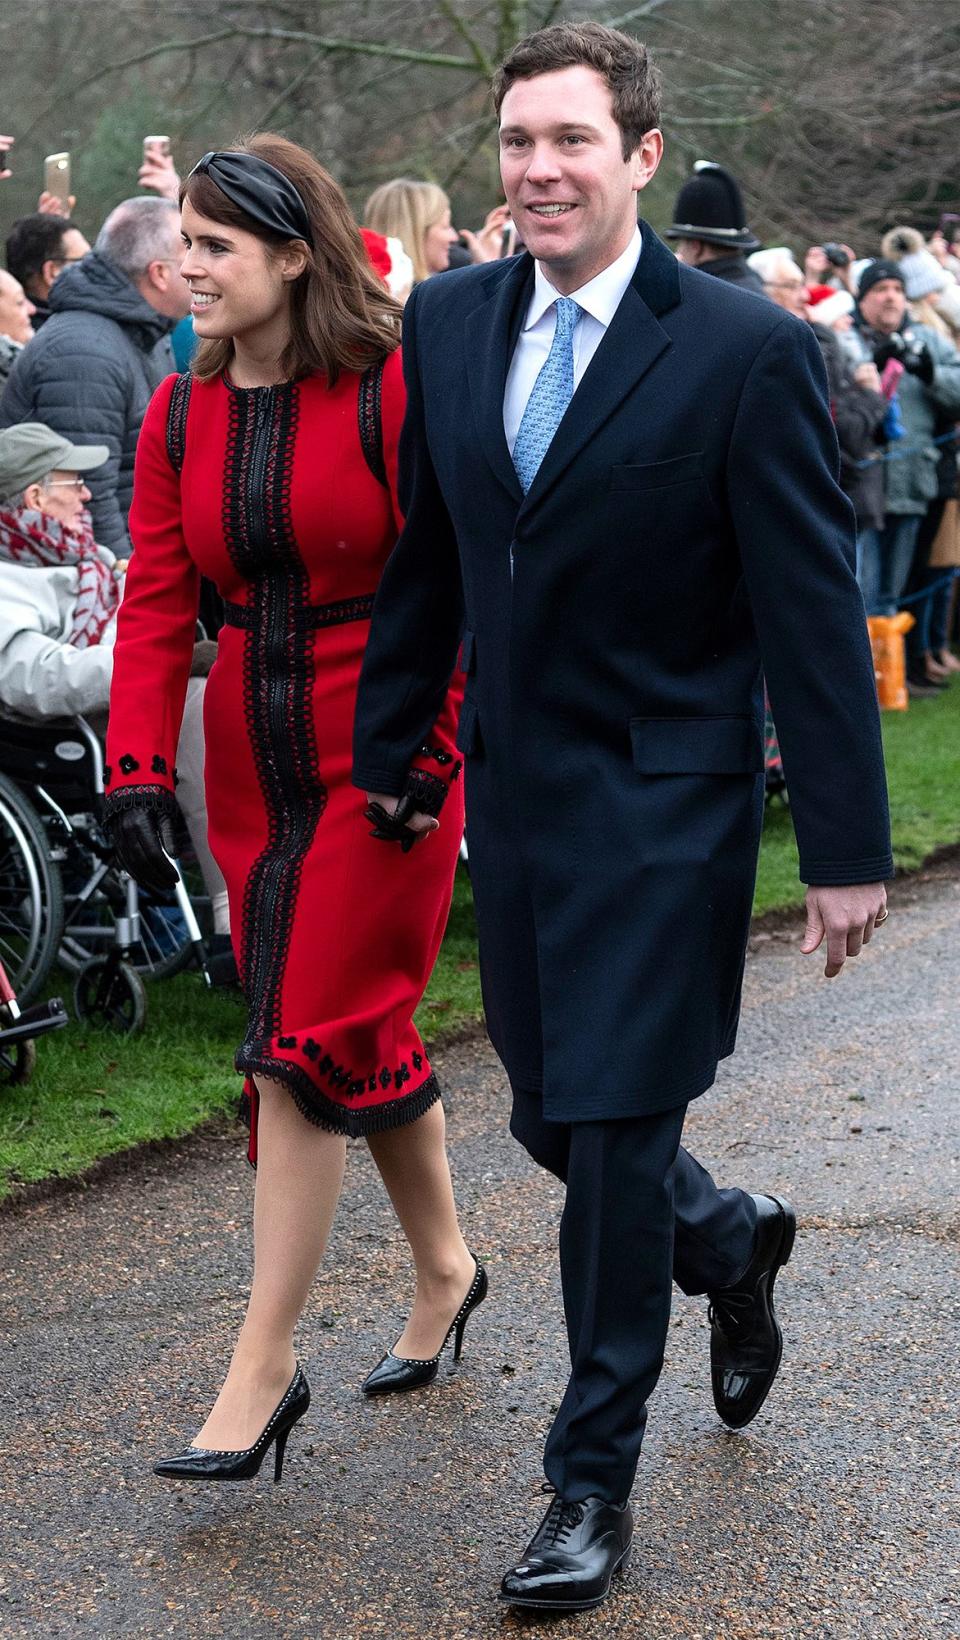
394,1373
199,1463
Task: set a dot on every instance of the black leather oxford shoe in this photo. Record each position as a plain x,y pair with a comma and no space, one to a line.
572,1557
746,1343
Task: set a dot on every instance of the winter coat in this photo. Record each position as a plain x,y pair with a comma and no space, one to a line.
90,374
911,472
684,530
9,353
858,415
735,270
41,674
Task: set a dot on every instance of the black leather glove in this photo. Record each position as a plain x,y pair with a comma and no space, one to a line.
393,828
891,348
142,835
919,362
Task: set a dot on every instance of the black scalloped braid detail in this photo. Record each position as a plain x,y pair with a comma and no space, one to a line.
278,679
370,420
333,1118
177,421
155,798
428,791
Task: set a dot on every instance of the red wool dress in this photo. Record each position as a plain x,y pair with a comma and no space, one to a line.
269,493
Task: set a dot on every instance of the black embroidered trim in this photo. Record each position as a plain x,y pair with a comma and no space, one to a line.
128,763
158,765
334,1118
177,421
314,616
370,419
155,798
428,791
278,678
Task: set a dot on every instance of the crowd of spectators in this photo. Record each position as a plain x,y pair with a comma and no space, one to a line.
86,334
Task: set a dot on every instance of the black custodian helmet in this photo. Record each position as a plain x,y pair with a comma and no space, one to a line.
710,207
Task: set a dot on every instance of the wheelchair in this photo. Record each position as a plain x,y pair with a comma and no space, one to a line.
63,896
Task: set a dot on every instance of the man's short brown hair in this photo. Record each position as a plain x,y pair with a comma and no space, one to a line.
623,63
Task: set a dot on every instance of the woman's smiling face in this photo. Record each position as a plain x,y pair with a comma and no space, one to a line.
237,283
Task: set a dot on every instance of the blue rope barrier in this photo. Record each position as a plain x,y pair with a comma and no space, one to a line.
899,453
928,592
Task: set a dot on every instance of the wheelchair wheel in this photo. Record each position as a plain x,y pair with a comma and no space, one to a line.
31,895
111,993
90,920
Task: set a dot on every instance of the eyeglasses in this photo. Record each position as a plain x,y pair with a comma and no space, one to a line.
785,284
77,484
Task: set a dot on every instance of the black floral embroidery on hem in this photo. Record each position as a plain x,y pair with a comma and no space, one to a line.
323,1113
128,764
159,765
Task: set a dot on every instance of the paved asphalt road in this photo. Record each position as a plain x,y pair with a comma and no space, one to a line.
834,1515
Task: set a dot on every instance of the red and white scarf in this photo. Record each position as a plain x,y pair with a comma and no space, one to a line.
30,537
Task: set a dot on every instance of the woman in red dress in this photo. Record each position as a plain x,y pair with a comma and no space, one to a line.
272,469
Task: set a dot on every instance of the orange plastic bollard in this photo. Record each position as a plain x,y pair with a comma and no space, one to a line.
889,658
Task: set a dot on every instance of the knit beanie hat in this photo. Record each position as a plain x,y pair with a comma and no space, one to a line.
875,271
922,273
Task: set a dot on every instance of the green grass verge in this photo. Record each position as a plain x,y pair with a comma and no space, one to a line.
95,1094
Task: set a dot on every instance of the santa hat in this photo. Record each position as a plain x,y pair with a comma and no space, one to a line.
389,259
833,307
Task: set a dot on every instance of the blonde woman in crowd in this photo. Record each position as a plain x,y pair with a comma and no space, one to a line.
418,214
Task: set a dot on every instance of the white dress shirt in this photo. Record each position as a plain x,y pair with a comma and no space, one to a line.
599,299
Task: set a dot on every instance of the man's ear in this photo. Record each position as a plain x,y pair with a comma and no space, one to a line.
646,158
50,270
33,497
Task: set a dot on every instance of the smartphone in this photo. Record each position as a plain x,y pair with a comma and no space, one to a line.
56,178
508,239
160,145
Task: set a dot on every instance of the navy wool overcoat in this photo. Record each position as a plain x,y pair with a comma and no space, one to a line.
684,536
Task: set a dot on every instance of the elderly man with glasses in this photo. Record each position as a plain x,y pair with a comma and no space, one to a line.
91,371
782,279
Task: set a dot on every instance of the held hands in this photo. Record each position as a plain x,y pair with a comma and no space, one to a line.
845,918
395,820
144,843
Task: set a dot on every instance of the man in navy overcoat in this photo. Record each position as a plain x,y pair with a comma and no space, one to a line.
620,485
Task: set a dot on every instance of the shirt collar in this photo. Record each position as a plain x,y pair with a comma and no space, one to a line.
600,296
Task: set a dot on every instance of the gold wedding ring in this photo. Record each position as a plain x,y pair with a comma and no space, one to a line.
884,914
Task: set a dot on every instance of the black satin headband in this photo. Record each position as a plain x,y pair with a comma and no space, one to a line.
260,190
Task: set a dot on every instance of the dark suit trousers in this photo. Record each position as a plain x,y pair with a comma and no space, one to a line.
639,1213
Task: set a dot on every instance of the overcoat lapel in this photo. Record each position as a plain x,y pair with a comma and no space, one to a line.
490,336
634,340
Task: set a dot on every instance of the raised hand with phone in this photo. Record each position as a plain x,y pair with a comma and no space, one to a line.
157,171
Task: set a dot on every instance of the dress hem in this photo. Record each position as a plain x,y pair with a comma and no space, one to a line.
326,1113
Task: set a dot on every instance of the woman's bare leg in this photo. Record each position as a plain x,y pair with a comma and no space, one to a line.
413,1165
299,1175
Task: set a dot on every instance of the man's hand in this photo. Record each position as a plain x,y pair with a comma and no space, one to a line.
845,918
417,824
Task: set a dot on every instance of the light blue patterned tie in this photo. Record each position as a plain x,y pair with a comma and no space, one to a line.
552,392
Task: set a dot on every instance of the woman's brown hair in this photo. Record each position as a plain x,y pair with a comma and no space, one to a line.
341,316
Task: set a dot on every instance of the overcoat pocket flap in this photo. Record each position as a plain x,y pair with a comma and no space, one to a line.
701,745
654,475
468,653
468,729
